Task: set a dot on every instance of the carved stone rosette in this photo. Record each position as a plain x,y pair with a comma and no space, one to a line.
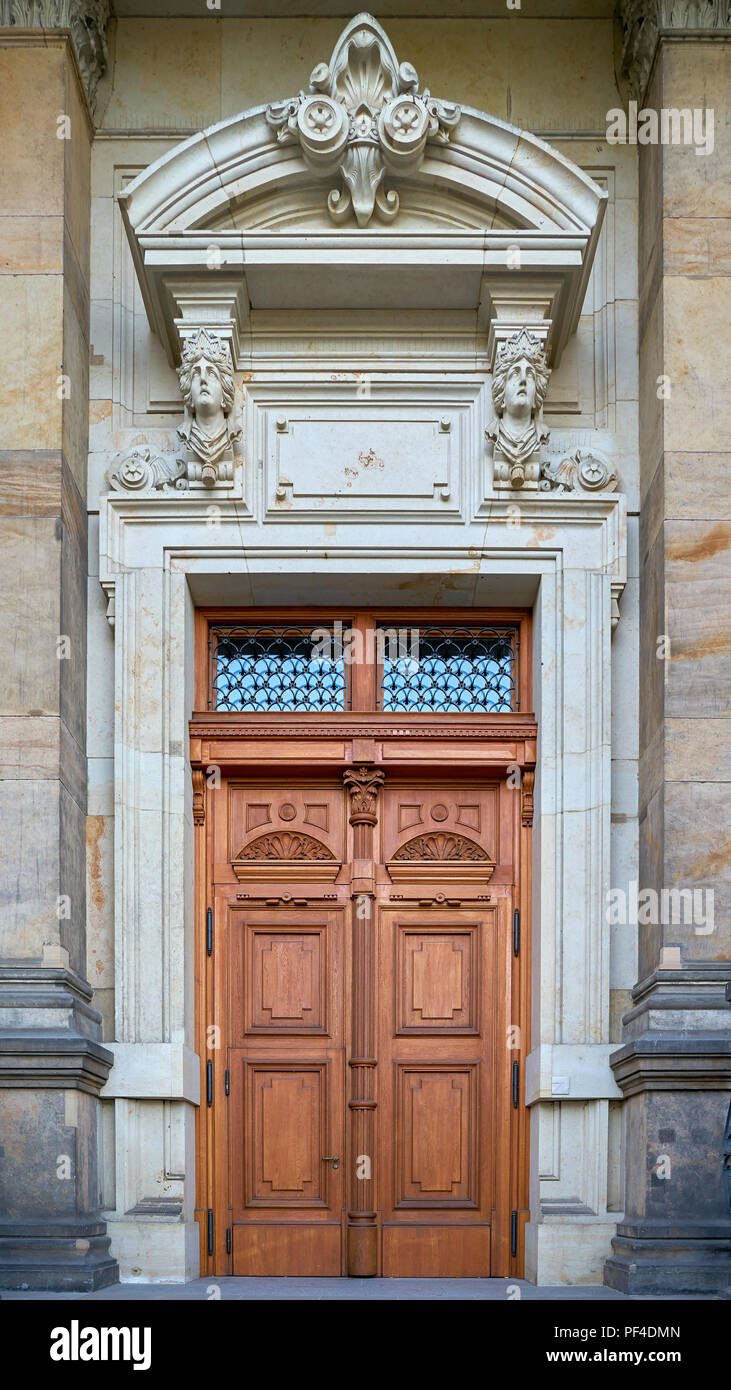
578,472
363,117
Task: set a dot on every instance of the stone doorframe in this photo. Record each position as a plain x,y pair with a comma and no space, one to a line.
159,557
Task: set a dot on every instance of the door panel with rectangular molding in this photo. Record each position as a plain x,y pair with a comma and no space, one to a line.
443,1067
362,990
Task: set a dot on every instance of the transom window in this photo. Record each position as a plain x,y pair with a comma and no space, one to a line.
397,667
277,669
451,670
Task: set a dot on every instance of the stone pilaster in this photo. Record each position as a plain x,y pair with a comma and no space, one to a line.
674,1067
52,1063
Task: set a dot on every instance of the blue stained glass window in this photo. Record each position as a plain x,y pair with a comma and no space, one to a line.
277,669
452,670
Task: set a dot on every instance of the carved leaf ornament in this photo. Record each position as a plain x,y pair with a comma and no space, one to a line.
363,117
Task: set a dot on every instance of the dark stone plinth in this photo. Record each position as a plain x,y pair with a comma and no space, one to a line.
675,1072
681,1264
64,1257
52,1068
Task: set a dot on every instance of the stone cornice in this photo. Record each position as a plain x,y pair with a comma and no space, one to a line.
58,1062
646,22
84,20
673,1063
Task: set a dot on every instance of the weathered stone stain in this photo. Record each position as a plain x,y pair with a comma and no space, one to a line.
94,833
716,540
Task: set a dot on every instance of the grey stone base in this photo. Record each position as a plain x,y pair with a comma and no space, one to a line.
669,1266
60,1258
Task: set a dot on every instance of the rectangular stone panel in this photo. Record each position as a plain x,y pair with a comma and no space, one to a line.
328,452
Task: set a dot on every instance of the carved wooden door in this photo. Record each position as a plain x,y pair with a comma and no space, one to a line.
444,983
362,994
280,936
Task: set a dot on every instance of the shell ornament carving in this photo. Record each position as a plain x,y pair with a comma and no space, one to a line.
363,117
286,845
444,847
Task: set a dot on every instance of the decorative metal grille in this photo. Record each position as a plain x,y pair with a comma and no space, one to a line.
278,669
470,670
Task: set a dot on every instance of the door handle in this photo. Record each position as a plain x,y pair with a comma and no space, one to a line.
332,1158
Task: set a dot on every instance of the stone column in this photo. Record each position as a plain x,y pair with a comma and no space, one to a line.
52,1063
674,1066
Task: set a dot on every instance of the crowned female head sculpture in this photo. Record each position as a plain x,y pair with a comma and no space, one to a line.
207,385
519,386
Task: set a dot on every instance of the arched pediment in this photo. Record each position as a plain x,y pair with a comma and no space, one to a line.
440,204
235,176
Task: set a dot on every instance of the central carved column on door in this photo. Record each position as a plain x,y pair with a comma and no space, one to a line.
363,784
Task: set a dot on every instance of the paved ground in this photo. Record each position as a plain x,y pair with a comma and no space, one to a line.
325,1290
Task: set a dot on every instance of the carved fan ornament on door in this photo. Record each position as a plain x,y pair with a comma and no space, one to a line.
283,854
440,855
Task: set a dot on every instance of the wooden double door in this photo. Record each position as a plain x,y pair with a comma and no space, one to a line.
362,1042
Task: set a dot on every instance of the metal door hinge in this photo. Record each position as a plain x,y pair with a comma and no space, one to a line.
228,1240
210,1230
513,1232
516,931
209,1082
209,931
516,1084
227,1080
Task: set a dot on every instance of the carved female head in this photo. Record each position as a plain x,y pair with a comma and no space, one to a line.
206,374
520,379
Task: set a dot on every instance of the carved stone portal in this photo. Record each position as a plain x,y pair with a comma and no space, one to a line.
363,117
519,386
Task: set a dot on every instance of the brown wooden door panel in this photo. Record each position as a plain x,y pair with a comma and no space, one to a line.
436,1129
285,975
364,1012
287,1097
436,1252
285,1249
441,1068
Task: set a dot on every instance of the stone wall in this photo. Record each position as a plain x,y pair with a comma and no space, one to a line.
51,1061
